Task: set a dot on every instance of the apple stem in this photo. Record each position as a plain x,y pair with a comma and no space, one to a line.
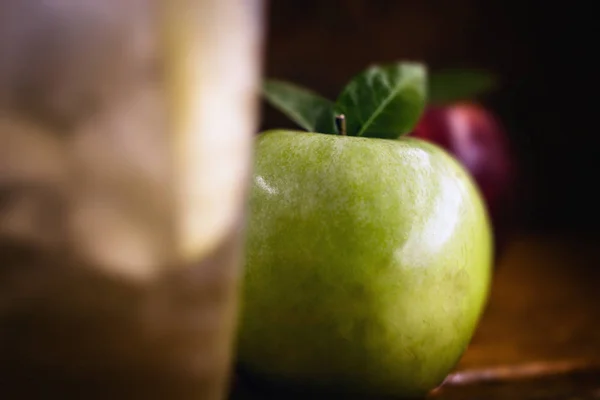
340,123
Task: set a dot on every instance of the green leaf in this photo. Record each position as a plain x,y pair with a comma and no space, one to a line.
306,108
384,101
456,84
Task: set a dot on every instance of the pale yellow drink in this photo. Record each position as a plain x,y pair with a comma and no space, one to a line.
125,150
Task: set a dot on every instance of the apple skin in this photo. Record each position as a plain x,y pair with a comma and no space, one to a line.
477,139
368,264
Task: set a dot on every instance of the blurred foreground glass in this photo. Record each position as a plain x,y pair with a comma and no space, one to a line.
125,147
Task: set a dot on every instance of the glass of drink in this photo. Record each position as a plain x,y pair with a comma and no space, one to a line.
125,149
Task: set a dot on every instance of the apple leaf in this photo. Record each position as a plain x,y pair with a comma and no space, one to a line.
305,107
384,101
453,85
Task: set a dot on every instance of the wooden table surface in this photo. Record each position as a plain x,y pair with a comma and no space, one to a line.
540,335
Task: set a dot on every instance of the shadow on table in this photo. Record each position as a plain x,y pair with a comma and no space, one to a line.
249,388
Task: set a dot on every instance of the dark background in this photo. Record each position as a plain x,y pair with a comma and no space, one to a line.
542,51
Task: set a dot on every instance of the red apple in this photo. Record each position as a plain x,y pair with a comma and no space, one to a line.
478,140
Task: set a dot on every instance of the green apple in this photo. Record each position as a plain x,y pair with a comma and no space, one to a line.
368,264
